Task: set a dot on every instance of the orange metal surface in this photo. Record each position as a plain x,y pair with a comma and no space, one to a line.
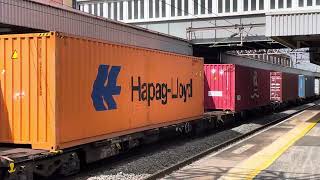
59,91
27,65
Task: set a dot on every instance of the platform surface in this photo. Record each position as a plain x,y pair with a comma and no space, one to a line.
300,161
290,150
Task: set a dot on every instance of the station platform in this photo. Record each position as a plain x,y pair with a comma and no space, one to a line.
289,150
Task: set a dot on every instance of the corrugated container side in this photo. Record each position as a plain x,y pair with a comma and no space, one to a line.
283,86
309,86
59,91
302,86
306,86
290,87
219,86
233,87
178,79
28,90
252,88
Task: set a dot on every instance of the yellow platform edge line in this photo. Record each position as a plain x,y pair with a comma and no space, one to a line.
269,161
261,160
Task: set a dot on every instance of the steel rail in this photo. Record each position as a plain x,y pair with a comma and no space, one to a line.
177,166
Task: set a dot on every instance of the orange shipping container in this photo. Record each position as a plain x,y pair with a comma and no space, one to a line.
60,91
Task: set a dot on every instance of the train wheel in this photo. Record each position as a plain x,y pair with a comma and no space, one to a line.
70,166
187,128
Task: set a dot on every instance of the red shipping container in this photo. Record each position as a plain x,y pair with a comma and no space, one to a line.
236,88
283,86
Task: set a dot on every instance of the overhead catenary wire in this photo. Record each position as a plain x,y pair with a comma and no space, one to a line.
209,21
217,15
201,6
186,12
233,24
198,16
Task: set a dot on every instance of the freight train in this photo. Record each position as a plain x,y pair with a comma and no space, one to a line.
231,87
67,100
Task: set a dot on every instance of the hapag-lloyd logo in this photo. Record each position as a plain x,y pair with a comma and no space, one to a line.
102,93
105,88
159,91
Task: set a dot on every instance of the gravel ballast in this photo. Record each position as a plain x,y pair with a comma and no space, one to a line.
152,158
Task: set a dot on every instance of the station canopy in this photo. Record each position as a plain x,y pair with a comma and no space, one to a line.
300,29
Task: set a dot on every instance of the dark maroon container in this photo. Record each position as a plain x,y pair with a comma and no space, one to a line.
283,87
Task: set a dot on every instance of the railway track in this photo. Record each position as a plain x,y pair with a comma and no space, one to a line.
219,147
156,160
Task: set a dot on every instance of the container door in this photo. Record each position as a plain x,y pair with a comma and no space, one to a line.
219,86
316,86
275,86
27,78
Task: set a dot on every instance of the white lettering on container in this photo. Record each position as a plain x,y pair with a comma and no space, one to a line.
215,93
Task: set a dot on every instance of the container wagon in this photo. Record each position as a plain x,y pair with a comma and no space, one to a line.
60,92
235,88
306,86
66,99
283,87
